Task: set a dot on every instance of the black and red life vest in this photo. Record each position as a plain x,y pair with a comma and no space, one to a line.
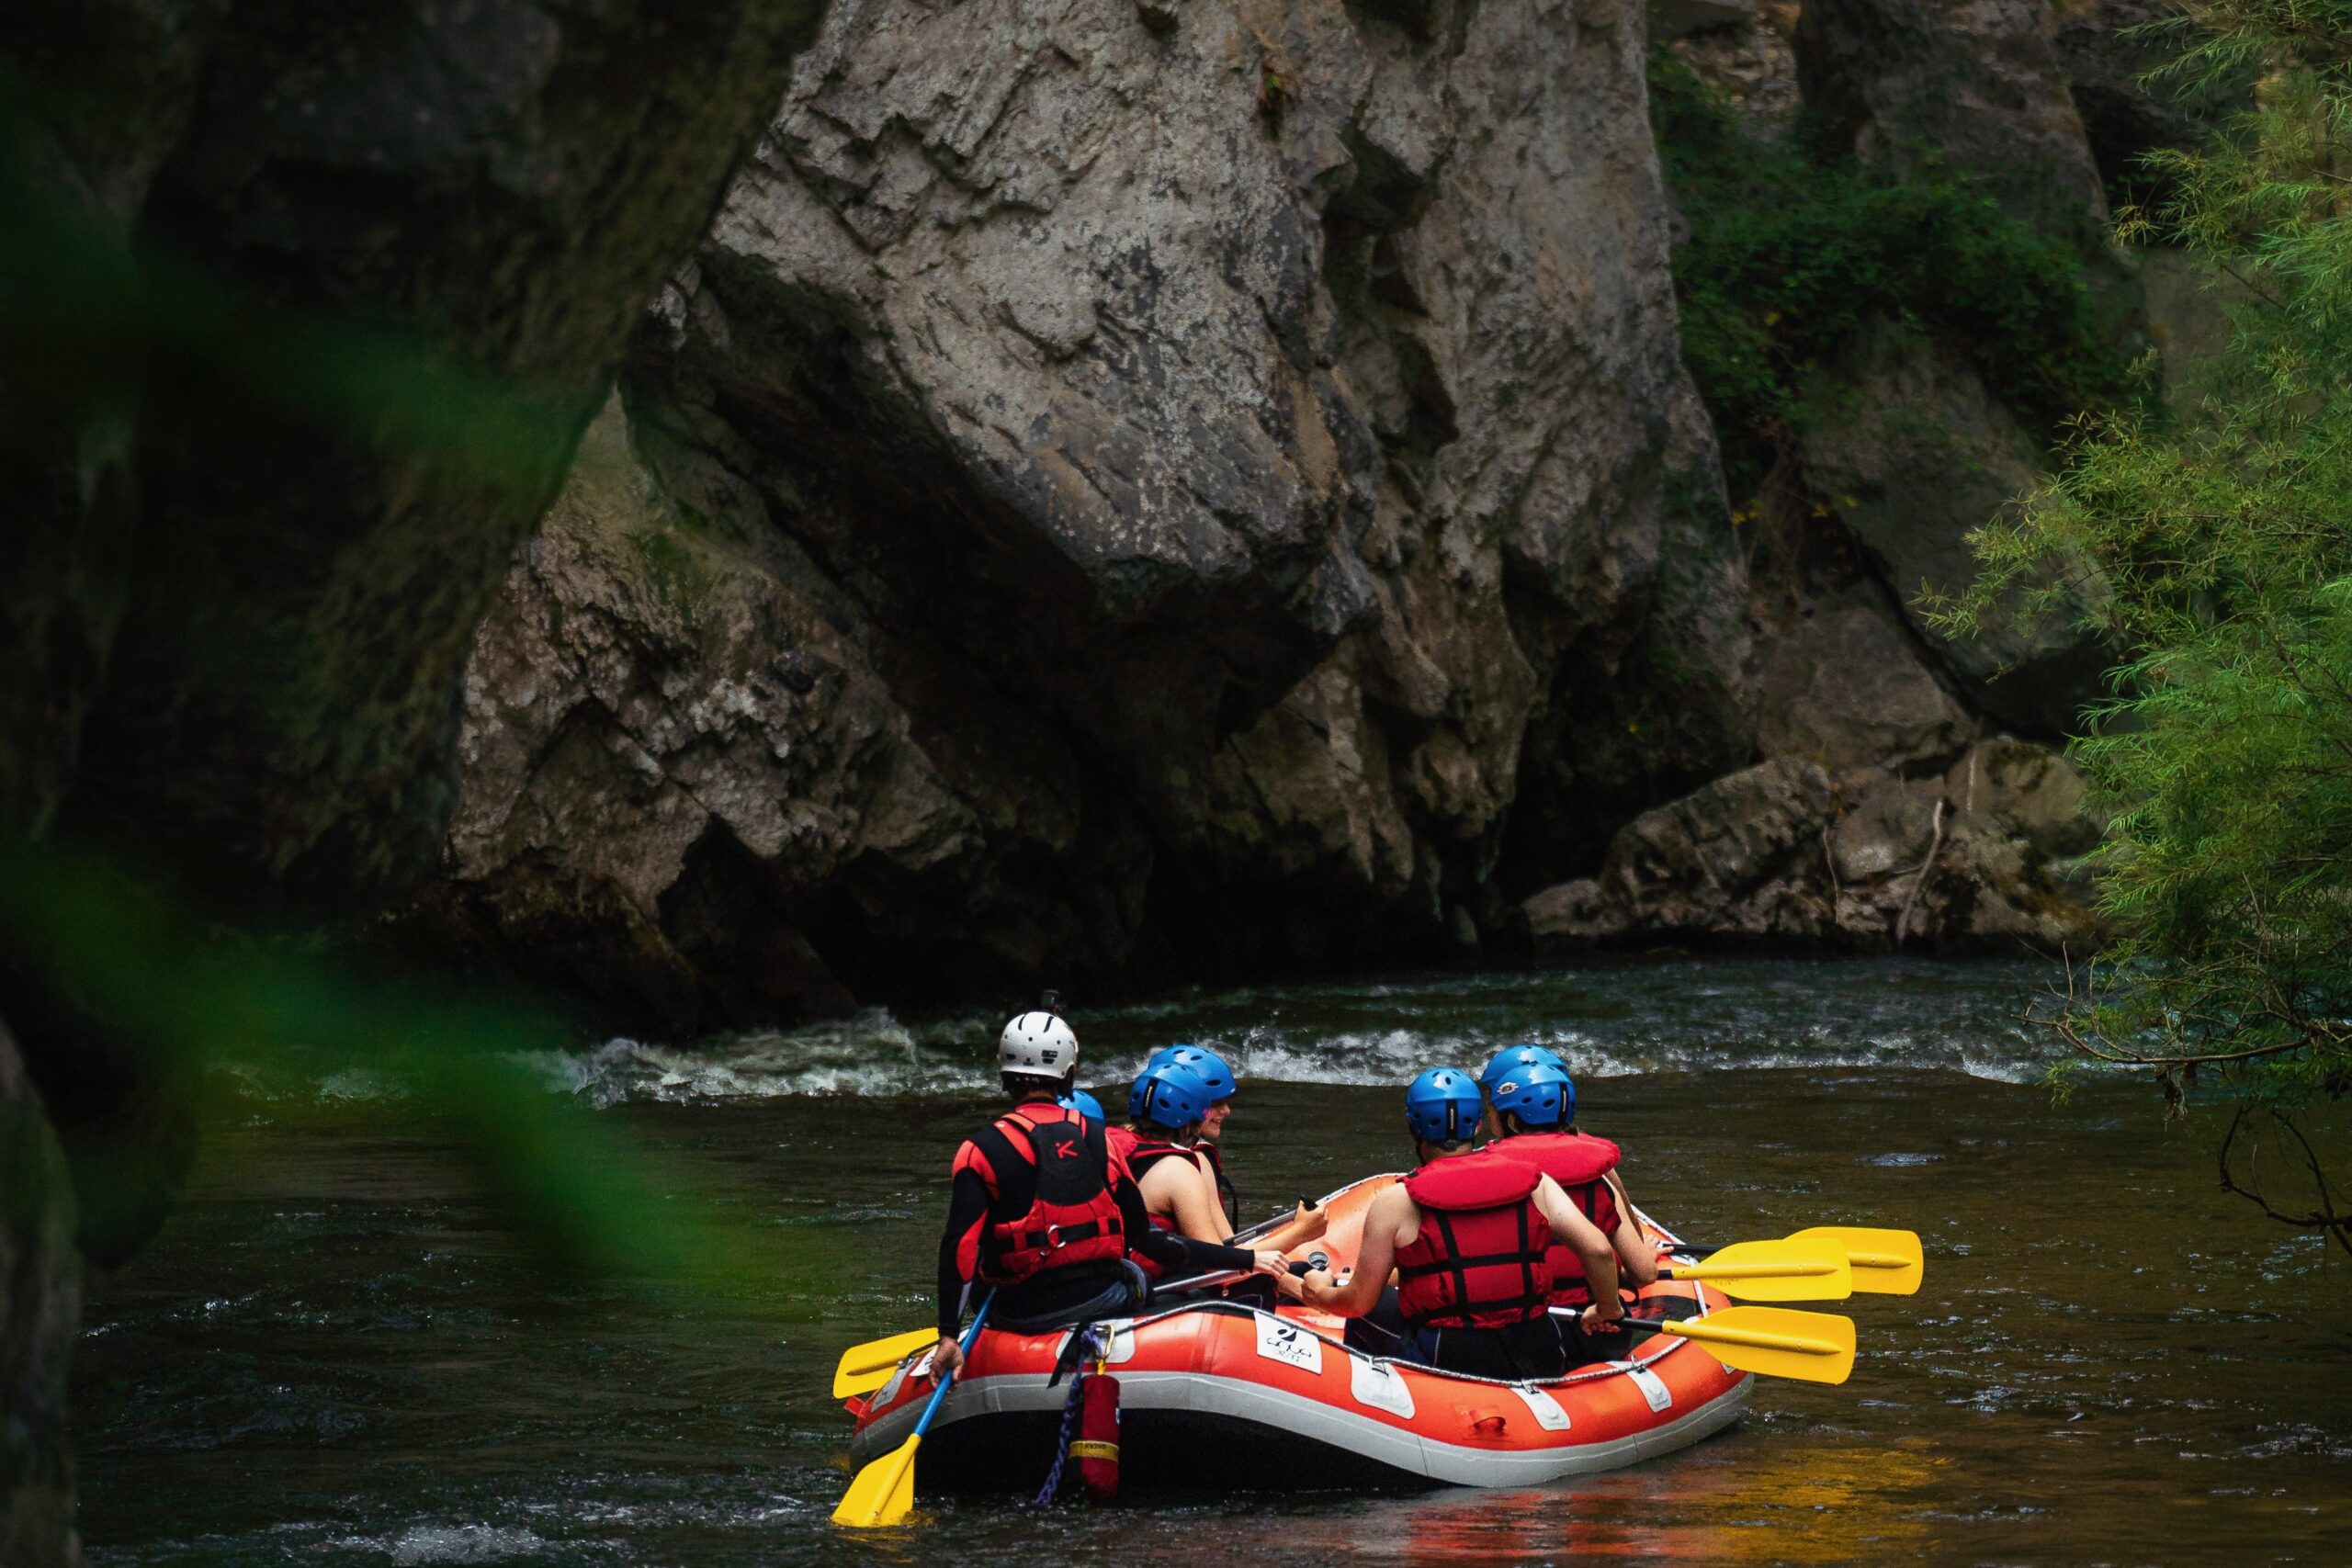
1139,1152
1073,1219
1478,1260
1577,1161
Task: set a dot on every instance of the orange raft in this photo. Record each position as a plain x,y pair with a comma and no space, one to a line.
1217,1394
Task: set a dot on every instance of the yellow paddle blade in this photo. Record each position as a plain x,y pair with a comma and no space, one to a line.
1886,1263
1812,1347
883,1492
864,1368
1792,1270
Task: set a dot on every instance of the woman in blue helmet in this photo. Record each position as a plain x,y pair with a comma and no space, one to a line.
1469,1234
1164,1110
1213,1072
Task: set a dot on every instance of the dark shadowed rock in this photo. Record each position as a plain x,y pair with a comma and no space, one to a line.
1678,19
1917,455
397,251
41,1311
1841,680
2113,53
1975,83
301,310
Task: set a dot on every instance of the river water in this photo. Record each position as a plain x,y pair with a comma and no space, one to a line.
339,1351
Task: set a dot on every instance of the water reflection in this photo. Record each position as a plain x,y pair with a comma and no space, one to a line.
335,1353
1797,1502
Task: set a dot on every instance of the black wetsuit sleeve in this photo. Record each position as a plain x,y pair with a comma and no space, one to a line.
1173,1253
967,1209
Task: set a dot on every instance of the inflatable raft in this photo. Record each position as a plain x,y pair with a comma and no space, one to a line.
1216,1394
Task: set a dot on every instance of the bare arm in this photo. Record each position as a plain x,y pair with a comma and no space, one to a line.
1585,1239
1636,1258
1307,1225
1376,1255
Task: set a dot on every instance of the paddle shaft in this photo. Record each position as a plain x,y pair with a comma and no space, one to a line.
1745,1270
1853,1259
1702,1330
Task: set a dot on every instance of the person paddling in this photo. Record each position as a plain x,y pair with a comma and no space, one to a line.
1532,1112
1040,1210
1469,1234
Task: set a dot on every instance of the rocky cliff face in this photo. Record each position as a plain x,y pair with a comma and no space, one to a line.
1130,491
1180,459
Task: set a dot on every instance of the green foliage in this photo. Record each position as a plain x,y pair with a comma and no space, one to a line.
184,993
1793,248
2226,538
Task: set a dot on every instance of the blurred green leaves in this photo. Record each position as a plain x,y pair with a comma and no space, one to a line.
595,1200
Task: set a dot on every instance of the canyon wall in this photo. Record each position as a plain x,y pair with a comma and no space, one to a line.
1130,493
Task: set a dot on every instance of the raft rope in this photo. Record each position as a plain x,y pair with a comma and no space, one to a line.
1091,1343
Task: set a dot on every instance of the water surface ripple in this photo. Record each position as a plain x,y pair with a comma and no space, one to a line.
339,1352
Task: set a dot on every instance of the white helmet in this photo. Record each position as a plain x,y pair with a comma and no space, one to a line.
1037,1043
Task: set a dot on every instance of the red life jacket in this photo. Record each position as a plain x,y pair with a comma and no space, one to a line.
1577,1161
1139,1152
1073,1219
1479,1259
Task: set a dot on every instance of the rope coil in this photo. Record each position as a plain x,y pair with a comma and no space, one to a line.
1092,1343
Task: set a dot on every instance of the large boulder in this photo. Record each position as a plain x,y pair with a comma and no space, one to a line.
1975,85
1982,858
1841,681
1224,436
1917,455
1728,861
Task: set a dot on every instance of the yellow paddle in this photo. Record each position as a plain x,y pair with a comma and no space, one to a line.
1885,1263
1812,1347
864,1368
1797,1270
883,1492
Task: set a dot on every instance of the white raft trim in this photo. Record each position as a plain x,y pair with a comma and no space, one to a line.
1459,1464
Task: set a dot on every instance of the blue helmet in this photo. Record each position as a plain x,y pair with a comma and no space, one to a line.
1206,1063
1442,1106
1504,1062
1171,1095
1085,1104
1538,1093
